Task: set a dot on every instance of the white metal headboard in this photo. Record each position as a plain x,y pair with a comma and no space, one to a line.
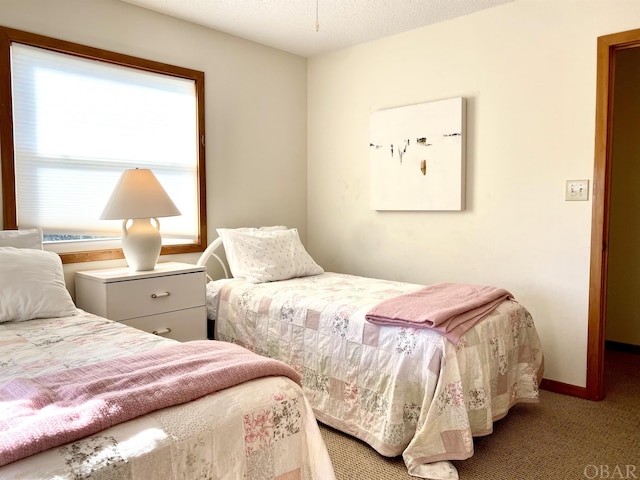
210,252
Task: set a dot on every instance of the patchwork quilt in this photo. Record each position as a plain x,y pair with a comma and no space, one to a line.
405,391
263,428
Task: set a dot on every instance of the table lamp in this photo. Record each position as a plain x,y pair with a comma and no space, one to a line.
139,197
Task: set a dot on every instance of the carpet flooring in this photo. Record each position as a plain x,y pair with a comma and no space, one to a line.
562,437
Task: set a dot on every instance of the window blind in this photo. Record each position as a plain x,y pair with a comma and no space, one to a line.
79,123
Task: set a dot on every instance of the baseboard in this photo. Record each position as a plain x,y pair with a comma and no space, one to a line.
581,392
563,388
622,347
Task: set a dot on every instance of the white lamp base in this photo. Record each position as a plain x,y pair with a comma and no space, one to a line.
141,243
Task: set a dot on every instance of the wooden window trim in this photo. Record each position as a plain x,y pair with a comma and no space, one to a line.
7,156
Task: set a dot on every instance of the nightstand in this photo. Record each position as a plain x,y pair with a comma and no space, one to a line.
168,301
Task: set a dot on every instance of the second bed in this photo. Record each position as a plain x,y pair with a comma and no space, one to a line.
403,390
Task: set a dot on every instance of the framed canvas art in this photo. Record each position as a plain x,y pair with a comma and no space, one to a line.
417,156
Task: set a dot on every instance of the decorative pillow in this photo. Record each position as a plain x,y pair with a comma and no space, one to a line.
28,238
32,285
267,256
229,251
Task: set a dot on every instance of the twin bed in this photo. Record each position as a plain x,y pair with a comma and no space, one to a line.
403,389
64,371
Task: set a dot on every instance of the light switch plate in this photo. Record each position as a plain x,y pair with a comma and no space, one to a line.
577,190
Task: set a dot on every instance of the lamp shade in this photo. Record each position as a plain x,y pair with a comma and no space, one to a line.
138,194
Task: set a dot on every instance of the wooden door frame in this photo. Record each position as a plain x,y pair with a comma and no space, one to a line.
608,45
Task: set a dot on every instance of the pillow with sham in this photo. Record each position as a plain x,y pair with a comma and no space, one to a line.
26,238
227,242
268,256
32,285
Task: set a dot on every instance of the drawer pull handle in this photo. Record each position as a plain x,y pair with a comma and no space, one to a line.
160,294
162,331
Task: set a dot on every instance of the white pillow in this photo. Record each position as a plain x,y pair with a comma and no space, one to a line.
229,251
32,285
267,256
27,238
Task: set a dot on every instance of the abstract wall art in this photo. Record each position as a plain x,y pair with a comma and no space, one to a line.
417,156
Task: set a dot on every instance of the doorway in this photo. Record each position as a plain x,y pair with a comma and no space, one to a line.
608,46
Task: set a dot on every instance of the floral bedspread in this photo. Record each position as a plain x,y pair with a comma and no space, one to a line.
264,428
402,390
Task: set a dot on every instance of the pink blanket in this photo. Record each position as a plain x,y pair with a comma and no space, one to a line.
449,308
51,410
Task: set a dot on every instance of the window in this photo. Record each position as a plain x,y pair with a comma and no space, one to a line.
79,117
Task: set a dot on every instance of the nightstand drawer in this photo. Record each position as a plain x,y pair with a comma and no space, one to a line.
169,300
131,298
183,325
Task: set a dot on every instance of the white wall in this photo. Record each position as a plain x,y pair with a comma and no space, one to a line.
528,72
255,103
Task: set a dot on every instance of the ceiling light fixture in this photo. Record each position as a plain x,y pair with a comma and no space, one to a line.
317,21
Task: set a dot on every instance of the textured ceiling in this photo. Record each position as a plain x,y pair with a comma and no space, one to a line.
290,25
